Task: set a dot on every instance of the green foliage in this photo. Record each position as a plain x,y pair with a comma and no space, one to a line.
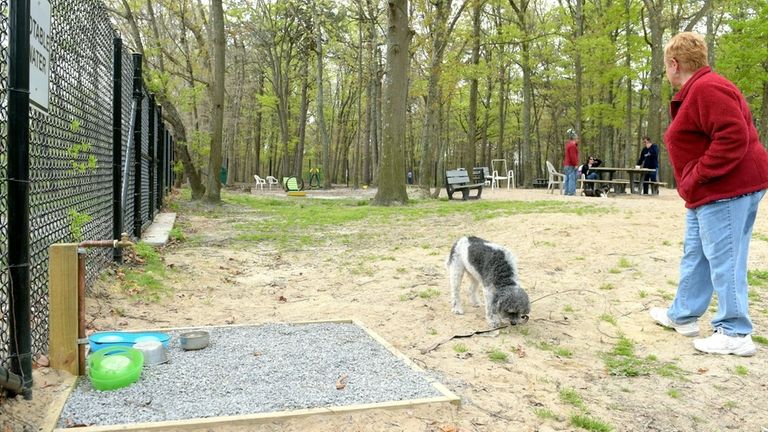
622,361
498,356
460,348
571,397
590,424
741,370
760,339
757,278
545,414
429,293
145,280
177,234
77,221
80,162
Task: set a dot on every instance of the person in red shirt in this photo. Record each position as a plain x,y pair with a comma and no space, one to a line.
721,171
570,162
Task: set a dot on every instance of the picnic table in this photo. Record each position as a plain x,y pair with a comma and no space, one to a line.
635,176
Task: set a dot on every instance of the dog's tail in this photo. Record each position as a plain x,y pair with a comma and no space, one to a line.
452,255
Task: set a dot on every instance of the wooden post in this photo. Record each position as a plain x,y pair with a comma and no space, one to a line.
63,316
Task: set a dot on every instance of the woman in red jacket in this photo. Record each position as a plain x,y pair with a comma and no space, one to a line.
721,171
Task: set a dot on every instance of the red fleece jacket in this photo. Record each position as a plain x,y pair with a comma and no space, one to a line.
571,153
712,142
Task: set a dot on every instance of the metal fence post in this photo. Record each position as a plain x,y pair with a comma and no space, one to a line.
151,149
18,192
160,142
117,146
137,96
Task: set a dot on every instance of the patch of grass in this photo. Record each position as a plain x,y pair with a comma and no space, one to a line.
545,414
643,293
431,331
608,318
614,270
498,356
760,339
622,361
401,269
568,308
674,393
557,350
671,282
759,236
145,281
757,277
664,295
429,293
590,424
460,348
607,286
177,234
741,370
625,263
666,243
730,404
310,222
571,397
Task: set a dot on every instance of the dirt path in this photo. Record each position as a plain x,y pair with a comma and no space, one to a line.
592,276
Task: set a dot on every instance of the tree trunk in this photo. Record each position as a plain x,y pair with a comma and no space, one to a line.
470,155
320,113
172,116
392,172
213,193
303,108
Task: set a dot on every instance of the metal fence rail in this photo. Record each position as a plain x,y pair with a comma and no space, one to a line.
71,176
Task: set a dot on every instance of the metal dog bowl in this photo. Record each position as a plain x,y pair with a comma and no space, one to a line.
194,340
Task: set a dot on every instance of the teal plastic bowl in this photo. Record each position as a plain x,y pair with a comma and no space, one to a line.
115,367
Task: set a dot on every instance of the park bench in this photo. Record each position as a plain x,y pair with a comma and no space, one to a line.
590,186
459,181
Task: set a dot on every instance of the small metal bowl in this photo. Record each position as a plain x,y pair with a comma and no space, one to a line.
194,340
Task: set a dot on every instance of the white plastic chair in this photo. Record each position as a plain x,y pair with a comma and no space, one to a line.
495,177
555,178
272,181
260,182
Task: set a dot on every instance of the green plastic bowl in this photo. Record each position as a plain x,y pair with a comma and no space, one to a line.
115,367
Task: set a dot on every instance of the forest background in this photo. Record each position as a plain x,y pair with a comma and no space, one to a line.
280,88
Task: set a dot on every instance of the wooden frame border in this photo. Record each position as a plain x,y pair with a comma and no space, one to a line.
251,419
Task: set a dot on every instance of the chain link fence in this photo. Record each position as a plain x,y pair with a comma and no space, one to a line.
71,176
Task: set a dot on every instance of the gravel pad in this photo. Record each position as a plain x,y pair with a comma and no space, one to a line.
254,369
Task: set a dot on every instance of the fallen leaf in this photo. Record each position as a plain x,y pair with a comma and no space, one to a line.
42,361
703,370
282,299
449,428
342,382
520,351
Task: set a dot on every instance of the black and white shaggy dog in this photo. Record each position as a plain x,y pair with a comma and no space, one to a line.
494,267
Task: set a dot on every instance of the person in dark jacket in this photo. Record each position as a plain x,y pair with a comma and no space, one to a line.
721,171
649,158
585,169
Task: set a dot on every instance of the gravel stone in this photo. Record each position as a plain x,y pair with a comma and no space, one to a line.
254,369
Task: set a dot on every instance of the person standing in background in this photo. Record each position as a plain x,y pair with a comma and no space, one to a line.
570,162
721,171
649,158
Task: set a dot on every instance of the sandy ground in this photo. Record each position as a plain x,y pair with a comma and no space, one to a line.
592,278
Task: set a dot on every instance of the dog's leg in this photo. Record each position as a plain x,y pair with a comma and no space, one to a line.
456,273
490,315
473,291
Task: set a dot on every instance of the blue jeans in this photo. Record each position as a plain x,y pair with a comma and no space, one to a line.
715,260
570,180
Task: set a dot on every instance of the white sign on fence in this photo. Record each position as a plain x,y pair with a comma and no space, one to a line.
39,53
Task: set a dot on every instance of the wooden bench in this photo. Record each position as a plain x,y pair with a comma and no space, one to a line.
458,180
653,187
589,187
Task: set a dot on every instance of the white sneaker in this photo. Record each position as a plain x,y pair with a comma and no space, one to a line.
659,315
721,343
